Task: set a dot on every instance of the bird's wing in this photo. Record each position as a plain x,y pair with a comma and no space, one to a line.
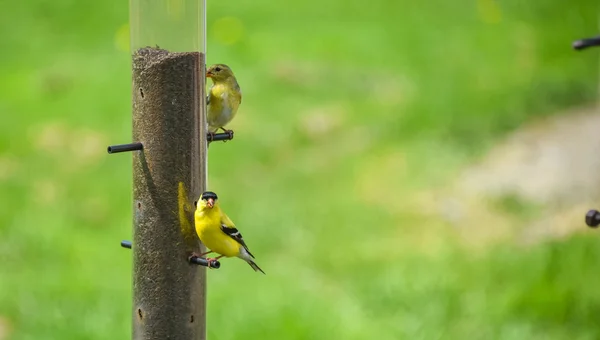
226,221
207,100
229,228
238,91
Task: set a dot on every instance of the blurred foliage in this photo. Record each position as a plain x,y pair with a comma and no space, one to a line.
351,110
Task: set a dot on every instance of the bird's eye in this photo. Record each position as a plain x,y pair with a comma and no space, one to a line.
217,69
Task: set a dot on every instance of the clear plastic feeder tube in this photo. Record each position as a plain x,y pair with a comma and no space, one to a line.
168,38
173,25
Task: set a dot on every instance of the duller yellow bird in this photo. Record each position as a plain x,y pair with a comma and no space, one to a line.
224,98
218,233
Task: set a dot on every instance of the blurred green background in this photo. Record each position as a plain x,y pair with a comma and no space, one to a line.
401,170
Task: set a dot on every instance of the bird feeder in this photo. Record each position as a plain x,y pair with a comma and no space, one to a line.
167,42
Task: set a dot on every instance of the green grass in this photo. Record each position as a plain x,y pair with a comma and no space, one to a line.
351,109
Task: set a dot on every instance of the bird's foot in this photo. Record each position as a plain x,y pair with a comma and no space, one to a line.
210,261
229,132
194,254
210,136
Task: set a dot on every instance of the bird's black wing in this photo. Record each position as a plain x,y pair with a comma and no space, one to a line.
236,235
207,100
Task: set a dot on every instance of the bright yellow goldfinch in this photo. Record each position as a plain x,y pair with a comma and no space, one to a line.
218,233
224,98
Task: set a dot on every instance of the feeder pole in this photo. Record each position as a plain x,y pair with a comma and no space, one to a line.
169,173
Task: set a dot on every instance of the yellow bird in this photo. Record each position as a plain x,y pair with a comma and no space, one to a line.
218,233
224,98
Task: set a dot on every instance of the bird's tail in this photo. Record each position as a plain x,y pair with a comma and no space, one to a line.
255,266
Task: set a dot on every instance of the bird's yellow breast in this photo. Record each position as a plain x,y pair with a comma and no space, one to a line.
208,227
224,101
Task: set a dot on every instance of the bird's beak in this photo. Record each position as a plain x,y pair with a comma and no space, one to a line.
209,75
210,203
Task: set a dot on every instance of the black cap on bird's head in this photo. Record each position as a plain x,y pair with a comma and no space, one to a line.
208,194
210,198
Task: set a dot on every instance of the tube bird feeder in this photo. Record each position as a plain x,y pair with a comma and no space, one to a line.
169,120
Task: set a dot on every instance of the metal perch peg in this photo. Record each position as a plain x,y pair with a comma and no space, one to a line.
193,259
586,42
204,262
592,218
125,147
213,137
